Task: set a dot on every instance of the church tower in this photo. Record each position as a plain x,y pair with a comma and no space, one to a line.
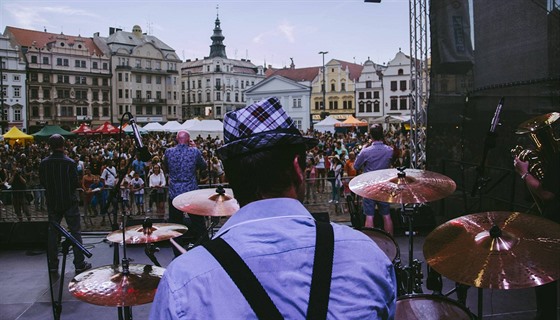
217,49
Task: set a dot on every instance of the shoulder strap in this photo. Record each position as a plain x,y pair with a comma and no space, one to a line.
244,278
252,290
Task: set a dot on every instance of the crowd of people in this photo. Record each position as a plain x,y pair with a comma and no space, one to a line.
102,160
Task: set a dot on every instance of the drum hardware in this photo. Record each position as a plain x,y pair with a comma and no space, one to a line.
430,307
217,202
506,250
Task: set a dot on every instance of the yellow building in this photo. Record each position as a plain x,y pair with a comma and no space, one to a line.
340,77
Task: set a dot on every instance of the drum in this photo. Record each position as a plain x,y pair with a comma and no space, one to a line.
430,307
385,241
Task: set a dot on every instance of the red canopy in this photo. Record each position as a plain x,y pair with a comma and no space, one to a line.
107,128
83,129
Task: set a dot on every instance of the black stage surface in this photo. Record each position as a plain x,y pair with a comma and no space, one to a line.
25,285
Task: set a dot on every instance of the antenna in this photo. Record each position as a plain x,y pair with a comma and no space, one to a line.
218,11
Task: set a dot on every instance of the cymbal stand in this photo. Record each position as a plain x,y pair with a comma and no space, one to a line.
413,271
125,312
150,248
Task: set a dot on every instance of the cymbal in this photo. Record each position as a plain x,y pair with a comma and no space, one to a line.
207,202
537,123
496,250
108,286
408,186
156,233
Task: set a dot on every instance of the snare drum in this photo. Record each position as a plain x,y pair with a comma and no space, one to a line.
384,241
430,307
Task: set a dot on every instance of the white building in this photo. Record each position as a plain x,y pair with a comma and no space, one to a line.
215,85
12,68
369,92
396,86
294,97
146,79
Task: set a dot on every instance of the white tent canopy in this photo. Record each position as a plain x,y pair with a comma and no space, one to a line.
128,129
189,123
326,125
154,127
207,127
172,126
391,119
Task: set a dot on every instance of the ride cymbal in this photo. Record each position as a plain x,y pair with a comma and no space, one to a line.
402,186
156,233
109,286
496,250
207,202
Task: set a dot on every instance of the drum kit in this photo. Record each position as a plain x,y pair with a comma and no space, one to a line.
127,284
489,250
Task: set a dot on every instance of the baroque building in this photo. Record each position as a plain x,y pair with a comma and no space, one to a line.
340,79
68,78
146,80
369,92
215,85
13,103
397,86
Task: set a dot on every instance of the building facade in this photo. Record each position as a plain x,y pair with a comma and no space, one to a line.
369,92
340,78
215,85
294,97
68,78
13,103
396,86
146,80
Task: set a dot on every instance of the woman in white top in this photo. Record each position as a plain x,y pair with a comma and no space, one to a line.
157,183
336,166
321,168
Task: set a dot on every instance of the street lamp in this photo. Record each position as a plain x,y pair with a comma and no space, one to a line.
323,87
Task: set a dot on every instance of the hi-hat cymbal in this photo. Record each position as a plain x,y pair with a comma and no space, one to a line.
538,122
108,286
496,250
207,202
408,186
156,233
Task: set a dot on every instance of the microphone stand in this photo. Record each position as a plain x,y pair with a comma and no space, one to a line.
68,241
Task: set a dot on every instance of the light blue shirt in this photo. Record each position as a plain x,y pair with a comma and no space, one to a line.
375,157
276,239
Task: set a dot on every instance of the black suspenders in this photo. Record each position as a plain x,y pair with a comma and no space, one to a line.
255,294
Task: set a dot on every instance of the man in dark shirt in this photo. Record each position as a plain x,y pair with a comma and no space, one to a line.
181,163
59,176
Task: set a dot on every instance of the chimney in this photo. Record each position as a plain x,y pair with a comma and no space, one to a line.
96,34
111,30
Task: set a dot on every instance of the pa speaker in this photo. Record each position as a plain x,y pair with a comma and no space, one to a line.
24,235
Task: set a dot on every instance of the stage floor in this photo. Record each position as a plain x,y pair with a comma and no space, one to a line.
25,286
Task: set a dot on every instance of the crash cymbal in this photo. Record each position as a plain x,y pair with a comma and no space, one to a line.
537,123
207,202
402,186
156,233
496,250
109,286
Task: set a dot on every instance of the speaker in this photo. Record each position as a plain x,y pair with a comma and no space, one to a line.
24,235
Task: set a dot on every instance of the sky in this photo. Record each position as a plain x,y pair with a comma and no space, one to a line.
264,31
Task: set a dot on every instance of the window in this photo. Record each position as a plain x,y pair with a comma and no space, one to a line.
199,97
403,103
394,103
400,72
403,85
297,123
94,65
218,96
46,78
138,94
317,105
361,106
120,94
199,84
149,64
106,65
46,94
376,106
58,61
105,111
149,110
236,97
158,65
119,77
121,109
393,86
126,94
34,93
207,96
46,60
158,94
33,77
138,63
148,94
77,63
368,106
138,78
63,79
159,110
368,84
95,95
158,79
105,95
95,81
95,112
81,80
296,103
149,79
105,81
368,95
138,109
343,86
376,94
66,111
65,62
17,92
228,97
34,111
33,59
63,93
81,111
47,111
218,84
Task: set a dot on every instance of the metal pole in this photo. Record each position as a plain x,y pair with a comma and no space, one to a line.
1,96
324,86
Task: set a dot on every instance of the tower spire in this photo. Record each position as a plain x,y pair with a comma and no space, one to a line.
217,49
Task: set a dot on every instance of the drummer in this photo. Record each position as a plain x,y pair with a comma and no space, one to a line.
274,237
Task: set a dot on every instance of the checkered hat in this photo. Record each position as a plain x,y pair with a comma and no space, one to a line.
261,125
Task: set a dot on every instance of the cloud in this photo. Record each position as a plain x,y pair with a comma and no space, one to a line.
285,30
32,16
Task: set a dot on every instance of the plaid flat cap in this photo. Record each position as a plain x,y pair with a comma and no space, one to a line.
261,125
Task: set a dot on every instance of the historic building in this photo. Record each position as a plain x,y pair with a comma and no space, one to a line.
369,92
146,80
13,102
396,86
68,78
340,78
215,85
